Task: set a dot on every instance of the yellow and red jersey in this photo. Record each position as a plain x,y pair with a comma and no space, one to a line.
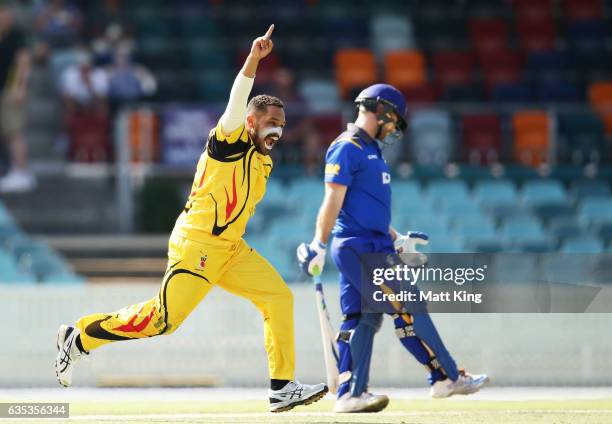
230,180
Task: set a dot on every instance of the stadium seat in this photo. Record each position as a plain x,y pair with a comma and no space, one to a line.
9,272
533,243
355,69
537,35
482,138
483,244
321,96
546,198
471,229
558,92
405,192
214,85
590,188
600,97
533,10
493,194
582,9
549,66
391,32
587,36
452,68
585,244
565,227
306,191
582,137
431,136
463,93
531,137
423,94
437,32
447,189
521,226
443,245
460,208
500,68
198,25
595,209
489,35
511,93
405,68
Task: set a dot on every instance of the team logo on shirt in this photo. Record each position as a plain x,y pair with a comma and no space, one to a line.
332,169
202,263
386,178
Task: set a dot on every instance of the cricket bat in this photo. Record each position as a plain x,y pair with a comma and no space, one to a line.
330,348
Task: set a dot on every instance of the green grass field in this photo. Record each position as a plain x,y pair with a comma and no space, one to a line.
399,411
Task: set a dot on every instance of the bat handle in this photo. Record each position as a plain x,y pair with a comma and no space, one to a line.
316,279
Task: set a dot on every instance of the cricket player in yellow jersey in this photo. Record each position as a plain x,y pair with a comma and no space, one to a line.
206,247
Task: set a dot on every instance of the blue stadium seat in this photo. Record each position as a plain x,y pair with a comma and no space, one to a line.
431,136
498,197
549,65
559,91
10,272
585,244
443,245
582,138
447,189
391,32
532,243
595,209
483,244
546,198
405,191
521,226
467,229
590,188
565,227
511,93
460,208
321,96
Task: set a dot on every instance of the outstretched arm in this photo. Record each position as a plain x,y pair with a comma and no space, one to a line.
235,111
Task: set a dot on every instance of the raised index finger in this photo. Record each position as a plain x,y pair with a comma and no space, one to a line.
269,32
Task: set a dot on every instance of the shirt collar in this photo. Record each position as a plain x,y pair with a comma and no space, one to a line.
362,134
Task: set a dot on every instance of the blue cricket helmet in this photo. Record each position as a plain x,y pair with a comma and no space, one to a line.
387,95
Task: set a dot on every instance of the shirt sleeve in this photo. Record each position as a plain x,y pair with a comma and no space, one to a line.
342,161
227,147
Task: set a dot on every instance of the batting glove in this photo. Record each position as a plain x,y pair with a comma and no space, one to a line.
311,257
407,243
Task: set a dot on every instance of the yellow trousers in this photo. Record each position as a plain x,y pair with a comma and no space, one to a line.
193,268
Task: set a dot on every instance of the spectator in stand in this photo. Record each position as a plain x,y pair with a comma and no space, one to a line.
84,90
83,87
14,70
58,23
127,80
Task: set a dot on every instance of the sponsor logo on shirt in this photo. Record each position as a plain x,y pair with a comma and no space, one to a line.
332,169
372,156
386,178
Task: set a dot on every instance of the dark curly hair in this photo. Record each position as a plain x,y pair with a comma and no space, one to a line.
260,103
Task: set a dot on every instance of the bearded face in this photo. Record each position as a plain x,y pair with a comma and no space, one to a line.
266,128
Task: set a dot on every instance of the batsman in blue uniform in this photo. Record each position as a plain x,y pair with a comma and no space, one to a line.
356,209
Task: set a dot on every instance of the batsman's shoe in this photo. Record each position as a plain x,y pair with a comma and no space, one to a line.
367,402
67,354
294,394
465,385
